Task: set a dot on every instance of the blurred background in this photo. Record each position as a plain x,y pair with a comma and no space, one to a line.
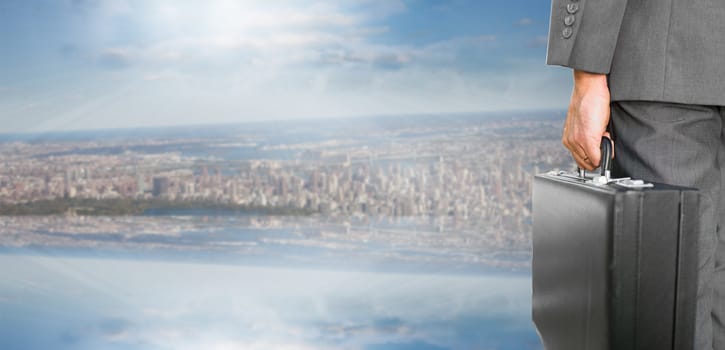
349,174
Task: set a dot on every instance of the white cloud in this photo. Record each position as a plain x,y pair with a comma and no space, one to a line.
525,22
257,345
227,61
253,28
380,9
538,41
115,58
296,33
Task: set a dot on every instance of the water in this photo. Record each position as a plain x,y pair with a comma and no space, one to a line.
256,282
61,302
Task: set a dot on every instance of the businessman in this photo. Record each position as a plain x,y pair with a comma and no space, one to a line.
657,67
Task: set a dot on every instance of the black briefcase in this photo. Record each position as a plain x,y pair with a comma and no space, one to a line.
614,262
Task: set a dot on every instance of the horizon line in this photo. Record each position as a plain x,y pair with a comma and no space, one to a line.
489,113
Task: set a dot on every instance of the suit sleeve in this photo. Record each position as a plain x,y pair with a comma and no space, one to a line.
583,33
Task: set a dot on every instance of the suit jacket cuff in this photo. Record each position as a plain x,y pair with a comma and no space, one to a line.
586,40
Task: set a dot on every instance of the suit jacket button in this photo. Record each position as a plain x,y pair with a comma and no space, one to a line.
567,32
572,8
569,20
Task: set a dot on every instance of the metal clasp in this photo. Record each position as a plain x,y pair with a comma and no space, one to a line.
622,181
629,183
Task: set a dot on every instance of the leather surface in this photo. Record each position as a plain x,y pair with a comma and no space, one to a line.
611,269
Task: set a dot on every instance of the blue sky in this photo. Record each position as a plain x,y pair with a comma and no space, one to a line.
85,64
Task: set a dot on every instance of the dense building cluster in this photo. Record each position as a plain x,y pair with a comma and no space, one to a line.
480,173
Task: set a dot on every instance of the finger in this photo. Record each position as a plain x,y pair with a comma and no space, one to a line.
594,150
582,163
577,152
579,156
583,158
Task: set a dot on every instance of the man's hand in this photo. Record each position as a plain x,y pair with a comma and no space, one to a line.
587,118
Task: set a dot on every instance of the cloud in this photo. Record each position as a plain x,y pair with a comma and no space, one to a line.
230,18
436,55
114,328
84,5
524,22
538,41
68,50
463,42
416,345
391,61
69,337
107,7
162,76
378,57
249,30
255,345
231,35
239,59
375,9
114,58
377,328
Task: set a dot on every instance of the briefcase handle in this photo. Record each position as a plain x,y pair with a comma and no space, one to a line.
605,163
607,150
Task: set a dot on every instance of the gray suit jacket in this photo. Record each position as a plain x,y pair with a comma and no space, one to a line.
653,50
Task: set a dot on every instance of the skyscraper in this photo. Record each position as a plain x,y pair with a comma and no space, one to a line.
161,186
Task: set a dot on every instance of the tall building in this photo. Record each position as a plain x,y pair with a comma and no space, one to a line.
67,183
161,186
140,183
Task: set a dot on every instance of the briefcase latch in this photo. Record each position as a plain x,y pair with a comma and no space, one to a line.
629,183
623,182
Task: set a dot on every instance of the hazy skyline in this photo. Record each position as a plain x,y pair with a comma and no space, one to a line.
85,64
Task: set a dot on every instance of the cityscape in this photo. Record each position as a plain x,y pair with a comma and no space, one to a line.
454,188
368,233
273,175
